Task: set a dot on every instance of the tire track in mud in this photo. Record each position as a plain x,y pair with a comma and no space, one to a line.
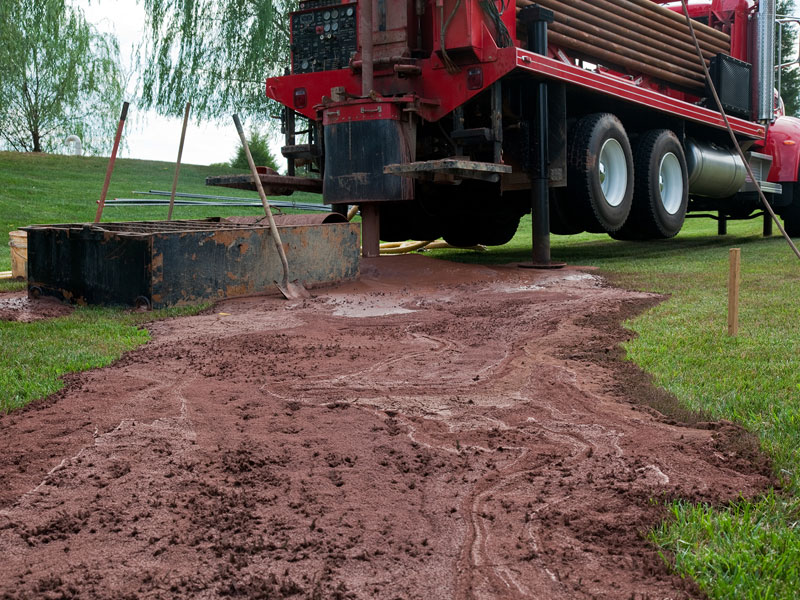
480,443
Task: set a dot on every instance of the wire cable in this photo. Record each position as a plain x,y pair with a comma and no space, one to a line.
503,35
736,145
449,65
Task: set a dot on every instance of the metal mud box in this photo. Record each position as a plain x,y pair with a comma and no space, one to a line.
168,263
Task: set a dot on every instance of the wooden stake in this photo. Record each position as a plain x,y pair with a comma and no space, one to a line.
734,279
101,204
178,163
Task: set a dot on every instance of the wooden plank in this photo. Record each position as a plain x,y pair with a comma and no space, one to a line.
274,185
453,167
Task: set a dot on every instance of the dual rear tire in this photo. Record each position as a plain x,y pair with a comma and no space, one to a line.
791,213
604,196
661,191
600,174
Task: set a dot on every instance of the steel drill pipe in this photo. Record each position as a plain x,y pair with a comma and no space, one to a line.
610,58
699,28
667,60
606,18
657,13
667,35
367,54
626,14
589,14
625,51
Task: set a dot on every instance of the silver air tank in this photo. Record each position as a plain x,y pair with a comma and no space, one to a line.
714,171
764,61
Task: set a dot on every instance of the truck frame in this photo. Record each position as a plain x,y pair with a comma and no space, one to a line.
453,118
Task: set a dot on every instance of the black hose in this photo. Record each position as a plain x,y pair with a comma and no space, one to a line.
503,35
449,65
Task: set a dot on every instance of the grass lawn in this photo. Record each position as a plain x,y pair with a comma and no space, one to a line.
35,355
748,550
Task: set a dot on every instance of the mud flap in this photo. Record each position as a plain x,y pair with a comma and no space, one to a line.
356,151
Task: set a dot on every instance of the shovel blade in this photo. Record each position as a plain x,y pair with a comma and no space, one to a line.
293,290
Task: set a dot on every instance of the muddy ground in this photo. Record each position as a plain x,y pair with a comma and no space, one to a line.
431,431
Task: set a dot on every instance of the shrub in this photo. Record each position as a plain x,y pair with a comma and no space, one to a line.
259,149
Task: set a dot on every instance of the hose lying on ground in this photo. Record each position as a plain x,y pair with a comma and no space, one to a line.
414,246
411,246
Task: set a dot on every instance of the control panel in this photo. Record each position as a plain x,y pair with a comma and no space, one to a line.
324,35
307,4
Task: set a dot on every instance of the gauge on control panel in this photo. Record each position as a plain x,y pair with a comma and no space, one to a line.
324,35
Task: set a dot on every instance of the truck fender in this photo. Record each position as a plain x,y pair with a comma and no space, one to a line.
783,144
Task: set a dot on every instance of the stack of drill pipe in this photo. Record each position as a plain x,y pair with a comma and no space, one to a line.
638,35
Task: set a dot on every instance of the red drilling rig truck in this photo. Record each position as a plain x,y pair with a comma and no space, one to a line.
453,118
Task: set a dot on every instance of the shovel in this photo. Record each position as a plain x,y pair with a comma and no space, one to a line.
292,290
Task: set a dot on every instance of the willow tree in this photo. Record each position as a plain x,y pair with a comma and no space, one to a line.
58,76
214,53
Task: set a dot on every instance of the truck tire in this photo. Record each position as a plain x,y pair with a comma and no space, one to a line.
478,213
600,169
791,213
401,221
499,230
562,221
486,230
661,191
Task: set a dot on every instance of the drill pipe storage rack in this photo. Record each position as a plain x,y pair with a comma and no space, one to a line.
158,264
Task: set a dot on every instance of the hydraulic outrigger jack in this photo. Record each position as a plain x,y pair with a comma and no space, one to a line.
536,19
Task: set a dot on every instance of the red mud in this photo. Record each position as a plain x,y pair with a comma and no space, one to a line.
15,306
431,431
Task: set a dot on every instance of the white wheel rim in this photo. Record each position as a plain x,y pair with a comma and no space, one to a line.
670,183
613,172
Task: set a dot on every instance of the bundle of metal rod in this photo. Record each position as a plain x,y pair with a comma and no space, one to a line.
240,203
194,196
637,35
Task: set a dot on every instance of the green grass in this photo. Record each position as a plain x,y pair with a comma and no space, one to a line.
35,355
748,550
41,189
752,548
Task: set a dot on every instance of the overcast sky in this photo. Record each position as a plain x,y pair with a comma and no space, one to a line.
148,135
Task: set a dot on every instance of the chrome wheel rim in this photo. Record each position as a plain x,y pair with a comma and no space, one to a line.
670,183
613,172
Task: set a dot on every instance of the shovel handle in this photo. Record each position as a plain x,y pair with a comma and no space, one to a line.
276,237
